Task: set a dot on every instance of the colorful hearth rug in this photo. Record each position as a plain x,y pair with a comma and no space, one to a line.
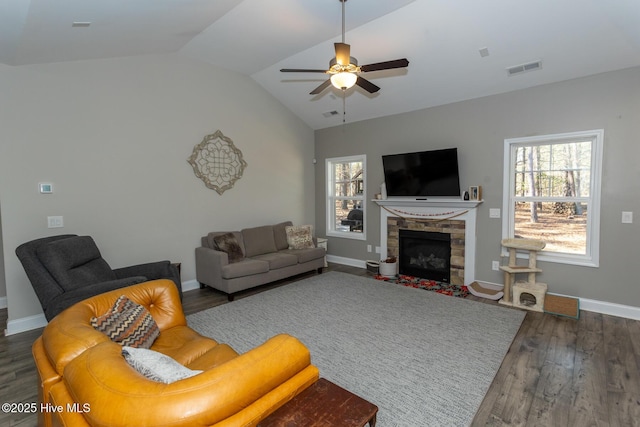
460,291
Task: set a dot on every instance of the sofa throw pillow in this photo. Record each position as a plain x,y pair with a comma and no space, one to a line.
156,366
228,243
128,324
300,236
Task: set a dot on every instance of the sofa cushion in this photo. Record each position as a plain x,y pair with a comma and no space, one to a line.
300,237
305,255
280,235
228,243
128,323
246,267
258,240
278,259
75,262
156,366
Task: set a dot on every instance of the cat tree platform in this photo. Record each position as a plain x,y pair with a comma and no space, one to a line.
527,294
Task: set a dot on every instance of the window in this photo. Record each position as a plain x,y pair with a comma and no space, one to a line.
346,187
552,193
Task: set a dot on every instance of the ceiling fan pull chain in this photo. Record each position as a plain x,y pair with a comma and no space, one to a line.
344,101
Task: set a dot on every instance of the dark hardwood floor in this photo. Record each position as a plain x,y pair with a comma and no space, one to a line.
558,371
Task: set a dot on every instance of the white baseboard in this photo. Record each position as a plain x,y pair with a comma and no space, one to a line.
610,308
603,307
190,285
347,261
629,312
39,321
25,324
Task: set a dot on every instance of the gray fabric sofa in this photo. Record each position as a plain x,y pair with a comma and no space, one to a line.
265,258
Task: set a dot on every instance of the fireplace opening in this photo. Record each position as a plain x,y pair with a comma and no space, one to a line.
425,254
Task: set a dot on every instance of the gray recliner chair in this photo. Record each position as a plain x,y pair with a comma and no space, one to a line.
66,269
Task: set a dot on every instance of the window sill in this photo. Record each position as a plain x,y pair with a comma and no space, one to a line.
577,260
347,235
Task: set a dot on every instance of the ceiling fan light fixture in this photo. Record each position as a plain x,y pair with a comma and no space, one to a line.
344,80
344,69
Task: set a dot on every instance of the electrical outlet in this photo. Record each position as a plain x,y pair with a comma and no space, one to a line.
368,248
495,265
55,222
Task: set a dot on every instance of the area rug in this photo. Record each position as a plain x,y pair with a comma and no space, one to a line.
459,291
424,359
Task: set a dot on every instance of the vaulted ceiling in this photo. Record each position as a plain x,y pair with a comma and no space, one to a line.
457,49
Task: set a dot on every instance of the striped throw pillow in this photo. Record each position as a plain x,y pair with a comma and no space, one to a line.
128,324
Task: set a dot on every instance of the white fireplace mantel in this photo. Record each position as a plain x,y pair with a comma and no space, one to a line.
434,209
432,202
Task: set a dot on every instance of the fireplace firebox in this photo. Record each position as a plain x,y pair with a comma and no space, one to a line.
425,254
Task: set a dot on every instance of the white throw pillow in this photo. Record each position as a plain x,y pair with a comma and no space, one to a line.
156,366
300,236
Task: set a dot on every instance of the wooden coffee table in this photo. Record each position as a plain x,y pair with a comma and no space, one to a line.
323,404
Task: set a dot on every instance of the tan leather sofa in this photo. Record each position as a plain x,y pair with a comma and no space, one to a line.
83,373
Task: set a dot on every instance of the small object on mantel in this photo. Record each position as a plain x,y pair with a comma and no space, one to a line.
486,290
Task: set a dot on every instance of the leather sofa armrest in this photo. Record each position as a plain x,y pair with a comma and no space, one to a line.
59,397
47,377
101,378
209,263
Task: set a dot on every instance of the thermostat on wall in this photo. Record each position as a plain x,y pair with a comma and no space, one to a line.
46,188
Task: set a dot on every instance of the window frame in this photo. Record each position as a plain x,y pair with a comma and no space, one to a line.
331,197
592,256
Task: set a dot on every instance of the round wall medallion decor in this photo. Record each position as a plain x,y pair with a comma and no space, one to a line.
217,162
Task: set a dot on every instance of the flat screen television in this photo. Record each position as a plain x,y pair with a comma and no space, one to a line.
422,174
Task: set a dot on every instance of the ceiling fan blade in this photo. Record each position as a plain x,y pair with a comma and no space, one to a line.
343,53
386,65
320,88
301,70
367,85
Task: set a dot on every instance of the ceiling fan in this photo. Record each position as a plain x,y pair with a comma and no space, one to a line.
344,69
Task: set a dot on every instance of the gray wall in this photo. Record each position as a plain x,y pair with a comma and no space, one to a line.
478,128
113,136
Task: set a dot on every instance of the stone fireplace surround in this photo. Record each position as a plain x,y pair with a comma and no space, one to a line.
443,215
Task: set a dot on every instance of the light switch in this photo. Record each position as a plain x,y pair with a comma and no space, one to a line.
494,213
627,217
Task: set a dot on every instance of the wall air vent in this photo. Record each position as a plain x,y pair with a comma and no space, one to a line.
330,114
518,69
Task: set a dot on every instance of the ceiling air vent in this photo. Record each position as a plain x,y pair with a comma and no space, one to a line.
531,66
330,114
